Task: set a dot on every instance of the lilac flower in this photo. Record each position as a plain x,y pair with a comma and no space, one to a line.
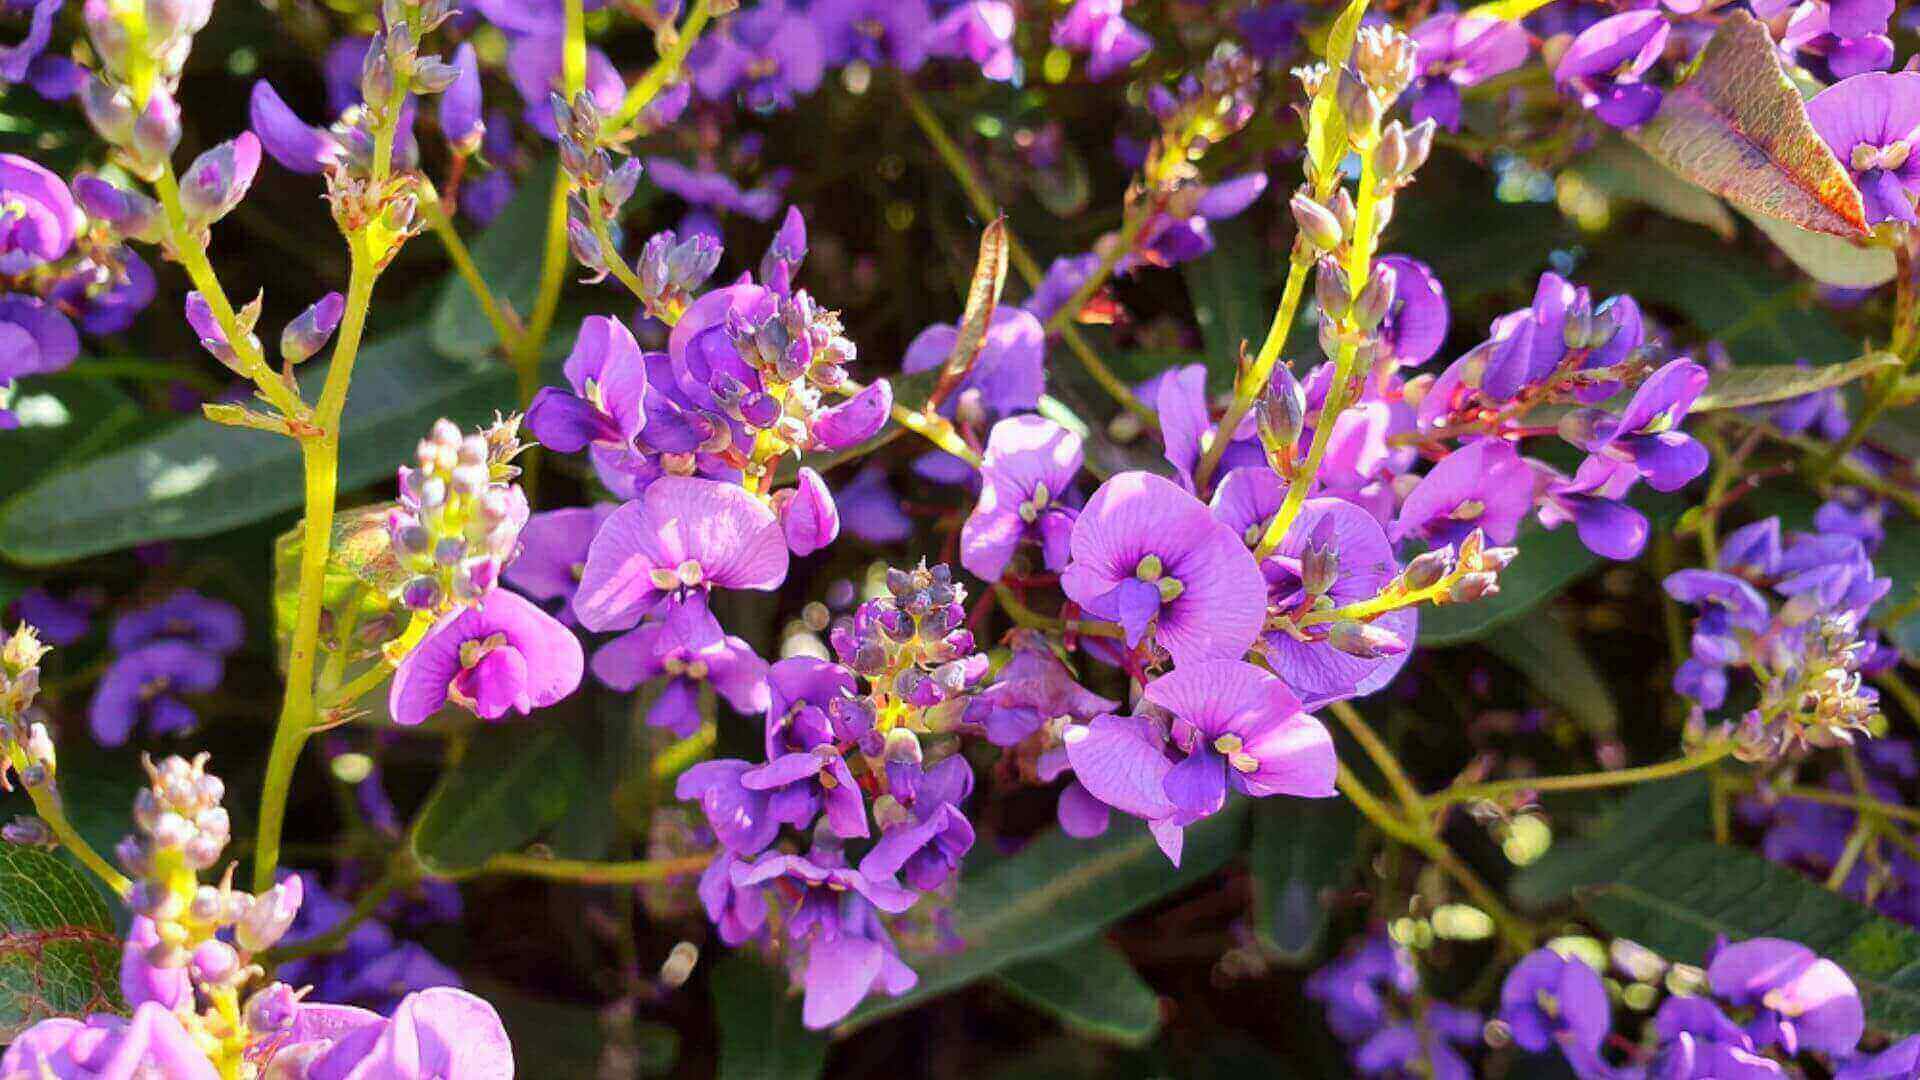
59,621
185,616
1179,395
1801,1000
739,815
1182,232
140,980
501,653
1483,485
715,189
769,53
689,647
871,510
1144,552
1030,463
38,217
1064,277
1425,1049
1870,122
1351,562
834,917
1848,47
375,969
808,516
1271,29
606,409
679,539
297,145
738,914
1644,435
878,33
534,64
1603,67
980,31
1234,726
1354,988
529,16
1455,52
1698,1041
460,105
35,339
925,849
1095,27
1550,999
107,1047
141,688
1591,500
439,1034
1416,322
1009,374
1032,689
805,770
19,61
1901,1061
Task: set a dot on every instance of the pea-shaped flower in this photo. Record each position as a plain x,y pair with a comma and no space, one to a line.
679,539
502,653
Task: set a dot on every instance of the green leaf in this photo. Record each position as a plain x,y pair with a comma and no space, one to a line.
59,955
1059,892
1677,899
1646,818
64,419
363,575
761,1036
1229,298
554,1038
1511,10
1547,654
507,254
513,782
1829,260
197,479
1326,123
1737,388
1092,989
1300,851
1738,128
1620,170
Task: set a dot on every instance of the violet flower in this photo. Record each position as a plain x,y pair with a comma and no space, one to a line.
871,510
1457,51
1603,67
1009,373
1064,277
59,621
499,654
606,410
980,31
35,338
715,189
141,688
1870,122
1029,466
1416,322
1096,27
679,539
1820,31
770,54
1801,1001
878,33
534,63
375,969
1187,427
297,145
20,61
1645,434
439,1034
926,849
1550,999
106,1047
739,914
38,217
835,918
689,647
806,771
1483,485
209,625
1031,689
1146,553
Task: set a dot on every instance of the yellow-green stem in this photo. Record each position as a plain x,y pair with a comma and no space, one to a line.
1253,381
1026,616
585,872
553,267
1581,781
48,805
1382,756
573,52
469,271
642,93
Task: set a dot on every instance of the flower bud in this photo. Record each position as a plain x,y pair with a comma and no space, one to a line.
272,1009
461,110
1364,640
1281,412
218,179
109,109
128,213
1317,223
1376,299
1330,287
1390,156
156,132
788,250
1419,146
1427,569
1357,103
266,920
432,75
28,831
312,328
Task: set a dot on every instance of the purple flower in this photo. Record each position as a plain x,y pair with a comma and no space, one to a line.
606,410
1644,435
1457,51
375,969
218,179
502,653
1009,374
461,105
1032,688
1354,988
38,217
834,915
19,61
805,770
879,33
1416,322
1591,500
1179,395
1870,122
769,54
1604,65
1271,29
980,31
140,980
1029,466
871,510
1802,1001
1483,485
1144,552
1901,1061
531,16
1064,277
297,145
1182,233
925,849
1829,32
105,1047
439,1034
535,66
679,539
1698,1042
1095,27
1234,726
59,621
716,189
738,815
210,625
140,689
807,513
738,914
1549,999
689,647
35,339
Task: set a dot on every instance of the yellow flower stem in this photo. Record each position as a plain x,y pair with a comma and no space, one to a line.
587,872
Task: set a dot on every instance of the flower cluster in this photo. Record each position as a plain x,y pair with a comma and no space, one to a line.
176,646
1373,1002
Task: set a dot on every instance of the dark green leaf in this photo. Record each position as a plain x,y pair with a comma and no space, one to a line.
1620,170
64,419
1761,318
1228,287
513,782
1759,384
1738,128
1829,260
1092,989
761,1037
1558,668
59,955
1300,852
508,254
1677,899
1058,892
1647,817
197,479
553,1038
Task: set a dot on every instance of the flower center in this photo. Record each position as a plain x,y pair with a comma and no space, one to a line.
1036,504
1867,157
474,650
765,67
677,664
1152,571
871,28
688,575
1468,510
1234,751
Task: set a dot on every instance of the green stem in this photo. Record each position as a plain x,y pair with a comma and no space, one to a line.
320,455
362,685
1581,781
573,52
1253,381
52,810
1025,616
553,267
587,872
1863,830
1383,757
401,872
642,93
456,248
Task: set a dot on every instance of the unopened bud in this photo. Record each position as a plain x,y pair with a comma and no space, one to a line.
1317,223
1357,102
1364,640
1376,300
1330,287
312,328
28,831
1427,569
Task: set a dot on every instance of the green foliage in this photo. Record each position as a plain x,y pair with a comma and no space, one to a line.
512,783
59,955
1299,851
1554,663
1228,287
761,1037
1092,989
1742,387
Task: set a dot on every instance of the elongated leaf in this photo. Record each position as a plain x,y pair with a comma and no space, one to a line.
1620,170
363,573
1059,892
761,1037
59,955
983,296
64,419
1738,128
1326,124
1229,298
1646,818
1555,664
1829,260
1737,388
513,782
1092,989
1299,852
1760,317
197,479
1677,899
1511,10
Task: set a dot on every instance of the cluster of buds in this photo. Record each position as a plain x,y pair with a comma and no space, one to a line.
141,48
671,270
1345,317
1444,575
913,648
143,134
1812,694
394,66
458,520
29,749
800,353
196,942
1203,109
